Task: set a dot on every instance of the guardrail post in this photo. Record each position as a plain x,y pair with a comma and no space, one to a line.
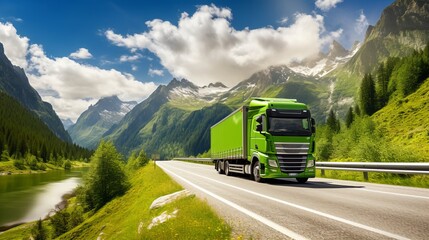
365,176
323,172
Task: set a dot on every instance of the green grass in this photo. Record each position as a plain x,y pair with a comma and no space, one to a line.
383,178
406,121
8,167
121,217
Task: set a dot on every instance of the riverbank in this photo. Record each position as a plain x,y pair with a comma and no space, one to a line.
121,218
8,168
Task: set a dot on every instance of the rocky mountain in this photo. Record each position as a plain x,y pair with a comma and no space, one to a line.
280,81
402,28
324,63
14,82
97,119
160,124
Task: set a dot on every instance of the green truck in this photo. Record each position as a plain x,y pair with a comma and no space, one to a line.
269,138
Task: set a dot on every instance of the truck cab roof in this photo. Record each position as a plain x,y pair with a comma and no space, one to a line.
274,103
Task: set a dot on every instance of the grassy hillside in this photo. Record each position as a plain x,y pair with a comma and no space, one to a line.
406,121
120,219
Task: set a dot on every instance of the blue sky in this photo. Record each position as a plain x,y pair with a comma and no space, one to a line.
118,43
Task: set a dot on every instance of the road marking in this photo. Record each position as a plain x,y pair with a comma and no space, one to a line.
251,214
398,194
339,219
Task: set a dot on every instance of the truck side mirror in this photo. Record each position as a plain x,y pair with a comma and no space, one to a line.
259,128
313,125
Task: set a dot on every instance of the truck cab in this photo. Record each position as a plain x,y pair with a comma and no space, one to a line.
281,139
269,138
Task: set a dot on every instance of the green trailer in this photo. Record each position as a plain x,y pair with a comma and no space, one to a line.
269,138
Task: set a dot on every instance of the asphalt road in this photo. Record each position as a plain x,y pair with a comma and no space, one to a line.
320,209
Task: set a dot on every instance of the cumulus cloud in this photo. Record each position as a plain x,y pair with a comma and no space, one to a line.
15,46
361,23
82,53
204,48
71,87
325,5
157,72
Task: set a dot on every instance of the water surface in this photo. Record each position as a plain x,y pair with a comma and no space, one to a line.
28,197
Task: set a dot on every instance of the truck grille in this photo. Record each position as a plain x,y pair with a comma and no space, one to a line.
292,156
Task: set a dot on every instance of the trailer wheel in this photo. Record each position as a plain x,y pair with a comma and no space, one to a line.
256,172
219,167
227,172
302,180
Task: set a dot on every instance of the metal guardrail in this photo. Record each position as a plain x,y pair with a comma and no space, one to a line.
365,167
195,159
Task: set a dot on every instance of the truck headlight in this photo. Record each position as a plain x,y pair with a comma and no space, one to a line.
272,163
310,163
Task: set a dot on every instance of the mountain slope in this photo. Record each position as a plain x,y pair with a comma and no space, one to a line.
155,123
22,132
97,119
402,28
282,82
406,121
14,82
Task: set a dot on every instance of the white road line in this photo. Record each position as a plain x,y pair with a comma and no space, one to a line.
392,193
339,219
251,214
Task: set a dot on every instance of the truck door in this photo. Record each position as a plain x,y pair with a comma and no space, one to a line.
258,141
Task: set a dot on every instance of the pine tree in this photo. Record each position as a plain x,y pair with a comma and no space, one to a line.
367,95
106,178
382,83
349,117
332,122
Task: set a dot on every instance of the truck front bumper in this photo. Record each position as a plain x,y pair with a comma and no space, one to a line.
274,171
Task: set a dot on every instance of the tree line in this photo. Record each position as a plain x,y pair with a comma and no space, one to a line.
24,136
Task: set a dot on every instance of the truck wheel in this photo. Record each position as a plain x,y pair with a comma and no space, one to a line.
302,180
227,172
219,169
256,172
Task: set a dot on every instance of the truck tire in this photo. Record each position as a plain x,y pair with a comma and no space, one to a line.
227,172
302,180
219,169
256,172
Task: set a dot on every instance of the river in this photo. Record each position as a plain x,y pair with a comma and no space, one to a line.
28,197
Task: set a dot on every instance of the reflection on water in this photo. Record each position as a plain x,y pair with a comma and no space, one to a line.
29,197
48,198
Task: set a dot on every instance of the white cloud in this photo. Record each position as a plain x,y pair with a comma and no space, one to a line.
204,48
15,46
157,72
325,5
82,53
126,58
71,87
361,23
134,67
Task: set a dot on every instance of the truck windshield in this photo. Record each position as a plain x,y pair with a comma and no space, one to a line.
289,126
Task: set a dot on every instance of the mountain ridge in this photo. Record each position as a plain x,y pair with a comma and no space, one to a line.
14,82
